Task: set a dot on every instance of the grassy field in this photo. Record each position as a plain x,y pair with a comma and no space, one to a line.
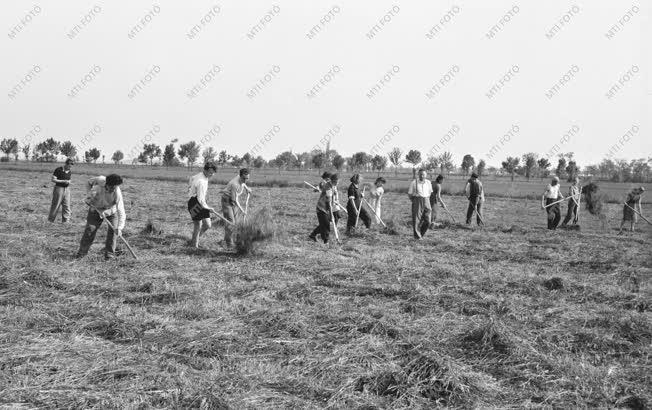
495,186
507,316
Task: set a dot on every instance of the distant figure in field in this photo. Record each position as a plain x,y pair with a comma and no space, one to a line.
634,199
325,207
475,193
354,205
376,194
104,197
200,212
231,203
61,192
551,195
435,198
419,193
574,193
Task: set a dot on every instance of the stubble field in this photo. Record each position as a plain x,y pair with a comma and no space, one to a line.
511,315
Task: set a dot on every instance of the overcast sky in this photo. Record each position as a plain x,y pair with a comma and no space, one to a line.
45,57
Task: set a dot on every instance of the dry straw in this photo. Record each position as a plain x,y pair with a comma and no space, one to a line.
256,229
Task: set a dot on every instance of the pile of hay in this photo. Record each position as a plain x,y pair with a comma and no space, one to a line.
249,234
152,228
593,198
392,227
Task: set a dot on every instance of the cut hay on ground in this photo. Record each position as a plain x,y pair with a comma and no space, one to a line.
249,234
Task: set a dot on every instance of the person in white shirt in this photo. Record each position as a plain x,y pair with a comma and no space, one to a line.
231,202
551,195
200,212
104,198
377,193
419,193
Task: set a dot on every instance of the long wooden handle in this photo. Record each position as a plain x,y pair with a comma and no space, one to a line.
639,214
374,211
223,218
119,236
555,203
449,213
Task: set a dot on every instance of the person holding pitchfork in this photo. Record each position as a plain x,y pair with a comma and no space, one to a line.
231,203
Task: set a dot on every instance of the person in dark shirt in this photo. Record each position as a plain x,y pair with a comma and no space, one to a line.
354,205
475,194
61,192
324,208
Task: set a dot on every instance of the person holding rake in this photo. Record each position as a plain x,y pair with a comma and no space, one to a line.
200,212
325,213
231,202
354,205
475,193
634,199
105,201
574,192
550,201
435,198
377,193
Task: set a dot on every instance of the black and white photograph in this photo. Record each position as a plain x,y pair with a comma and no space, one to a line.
291,204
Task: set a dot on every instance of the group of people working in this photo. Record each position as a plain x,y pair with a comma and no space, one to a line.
105,202
424,195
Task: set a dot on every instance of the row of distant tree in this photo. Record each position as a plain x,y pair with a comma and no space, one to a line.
530,165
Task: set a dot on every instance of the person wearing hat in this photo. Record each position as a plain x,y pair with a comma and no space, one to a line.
551,195
633,200
475,193
574,192
104,198
61,192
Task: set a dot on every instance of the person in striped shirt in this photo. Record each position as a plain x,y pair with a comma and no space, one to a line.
105,201
550,196
231,202
200,212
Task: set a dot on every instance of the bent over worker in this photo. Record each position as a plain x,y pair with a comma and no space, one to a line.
105,201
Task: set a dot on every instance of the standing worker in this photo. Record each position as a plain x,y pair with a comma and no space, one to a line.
377,193
475,193
354,205
324,210
200,212
574,193
419,193
231,203
435,198
61,192
104,198
550,196
634,199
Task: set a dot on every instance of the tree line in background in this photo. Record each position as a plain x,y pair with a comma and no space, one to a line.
530,165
